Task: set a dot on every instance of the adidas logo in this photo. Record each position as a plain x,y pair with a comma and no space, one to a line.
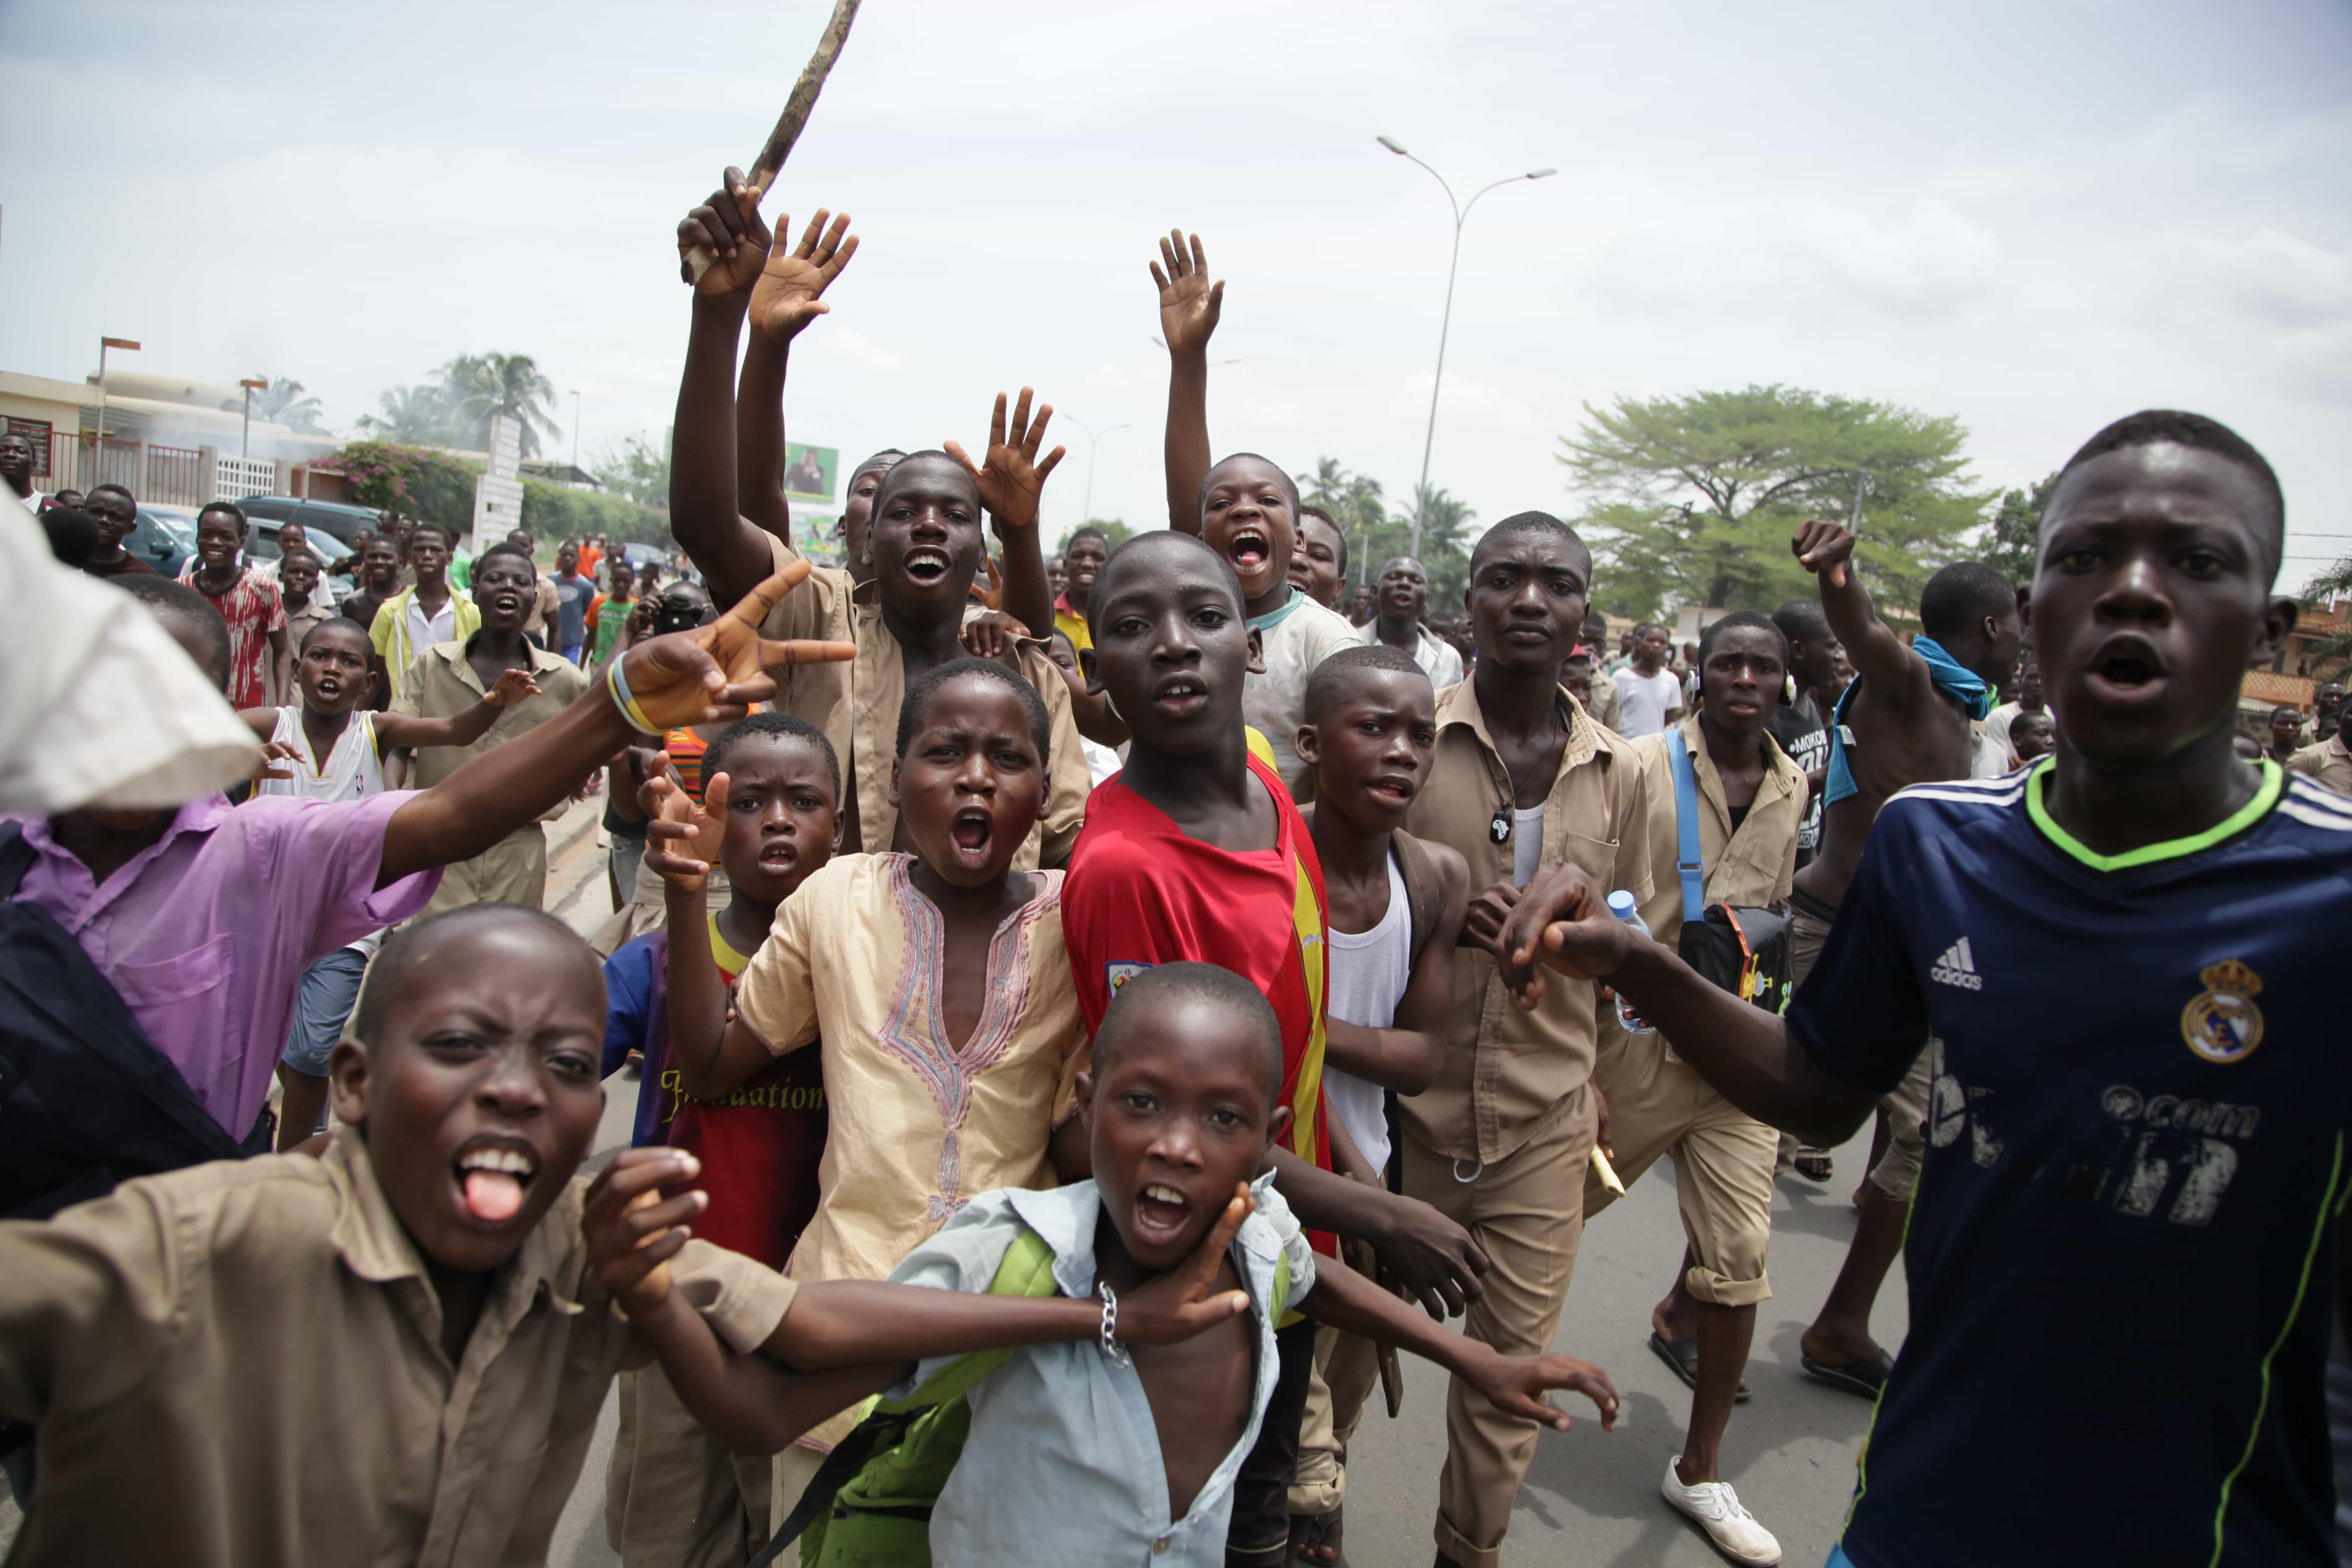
1958,967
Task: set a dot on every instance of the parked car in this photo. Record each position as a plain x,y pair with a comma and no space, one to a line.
340,560
339,521
164,538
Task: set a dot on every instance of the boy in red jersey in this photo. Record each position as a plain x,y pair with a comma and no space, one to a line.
1195,853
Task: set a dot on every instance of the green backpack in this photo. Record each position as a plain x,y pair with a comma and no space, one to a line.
869,1504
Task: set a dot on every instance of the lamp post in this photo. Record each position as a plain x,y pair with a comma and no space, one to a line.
245,441
575,437
1461,211
1094,438
97,447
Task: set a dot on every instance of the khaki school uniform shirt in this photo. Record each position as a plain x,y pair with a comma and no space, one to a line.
856,705
442,685
239,1366
2327,760
1505,1067
1747,869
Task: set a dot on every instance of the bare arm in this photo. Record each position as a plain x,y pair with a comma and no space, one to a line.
281,663
784,300
1346,1300
1010,486
1433,1257
1744,1051
704,676
1879,657
1189,307
871,1330
403,730
731,551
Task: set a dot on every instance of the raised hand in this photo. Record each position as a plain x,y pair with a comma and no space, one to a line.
1188,303
512,688
682,834
1824,548
790,292
1517,1384
727,233
632,1232
1013,478
1178,1305
710,674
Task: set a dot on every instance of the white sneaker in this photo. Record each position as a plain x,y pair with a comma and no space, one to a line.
1716,1507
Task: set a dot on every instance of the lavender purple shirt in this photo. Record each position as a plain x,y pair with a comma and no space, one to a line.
206,931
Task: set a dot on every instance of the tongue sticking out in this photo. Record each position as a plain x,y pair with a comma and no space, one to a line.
492,1196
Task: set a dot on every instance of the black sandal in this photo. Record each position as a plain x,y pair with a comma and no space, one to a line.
1318,1532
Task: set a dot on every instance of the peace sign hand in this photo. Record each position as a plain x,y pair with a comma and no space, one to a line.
712,674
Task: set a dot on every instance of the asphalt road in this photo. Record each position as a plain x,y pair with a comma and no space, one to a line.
1591,1497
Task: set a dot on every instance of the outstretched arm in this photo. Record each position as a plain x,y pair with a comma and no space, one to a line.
1744,1051
402,730
870,1331
1433,1257
1826,550
1344,1300
785,299
1189,306
731,551
1406,1056
1010,487
699,677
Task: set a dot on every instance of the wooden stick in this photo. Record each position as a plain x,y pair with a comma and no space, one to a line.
779,145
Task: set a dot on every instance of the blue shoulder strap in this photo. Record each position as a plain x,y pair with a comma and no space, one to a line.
1686,858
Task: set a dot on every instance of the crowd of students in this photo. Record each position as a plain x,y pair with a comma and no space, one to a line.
1087,1015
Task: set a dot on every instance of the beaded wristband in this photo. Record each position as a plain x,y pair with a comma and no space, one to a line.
617,685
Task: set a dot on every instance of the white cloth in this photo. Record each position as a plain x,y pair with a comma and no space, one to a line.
98,705
1292,640
1439,660
1998,722
1527,844
1101,760
351,769
1369,971
31,503
1644,701
424,630
1991,759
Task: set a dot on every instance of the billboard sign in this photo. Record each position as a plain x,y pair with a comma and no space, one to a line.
809,471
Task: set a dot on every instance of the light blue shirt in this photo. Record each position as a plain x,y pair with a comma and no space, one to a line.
1063,1466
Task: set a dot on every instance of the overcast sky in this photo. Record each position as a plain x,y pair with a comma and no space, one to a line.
2037,215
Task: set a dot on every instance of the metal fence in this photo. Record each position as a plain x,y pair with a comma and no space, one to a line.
241,477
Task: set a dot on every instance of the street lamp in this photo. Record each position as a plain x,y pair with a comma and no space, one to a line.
245,441
97,447
1094,438
575,478
1461,211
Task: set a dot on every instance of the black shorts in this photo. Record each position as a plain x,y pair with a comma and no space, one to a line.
1259,1535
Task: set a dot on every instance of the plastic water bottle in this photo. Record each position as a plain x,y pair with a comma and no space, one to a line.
1622,905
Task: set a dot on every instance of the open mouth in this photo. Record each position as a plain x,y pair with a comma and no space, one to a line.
927,565
492,1175
1181,696
1249,550
779,857
2127,671
1160,1213
1395,791
971,832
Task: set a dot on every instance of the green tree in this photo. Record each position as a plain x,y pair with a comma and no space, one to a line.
637,469
284,402
1356,503
2332,659
480,385
2011,548
1446,543
414,415
1692,500
1115,532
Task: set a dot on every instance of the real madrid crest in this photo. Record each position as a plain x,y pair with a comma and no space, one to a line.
2221,1023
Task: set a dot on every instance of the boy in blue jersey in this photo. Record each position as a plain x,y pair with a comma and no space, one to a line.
2122,1248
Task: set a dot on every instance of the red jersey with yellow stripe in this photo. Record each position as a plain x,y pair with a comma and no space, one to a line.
1141,893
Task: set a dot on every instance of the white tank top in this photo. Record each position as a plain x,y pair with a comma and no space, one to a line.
353,769
1369,970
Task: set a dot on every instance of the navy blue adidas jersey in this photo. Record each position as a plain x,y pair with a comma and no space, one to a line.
2122,1250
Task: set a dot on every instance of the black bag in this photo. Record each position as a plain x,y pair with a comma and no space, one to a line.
86,1101
1743,950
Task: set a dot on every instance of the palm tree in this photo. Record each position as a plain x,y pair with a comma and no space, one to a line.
2328,660
1444,520
415,415
284,402
482,385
